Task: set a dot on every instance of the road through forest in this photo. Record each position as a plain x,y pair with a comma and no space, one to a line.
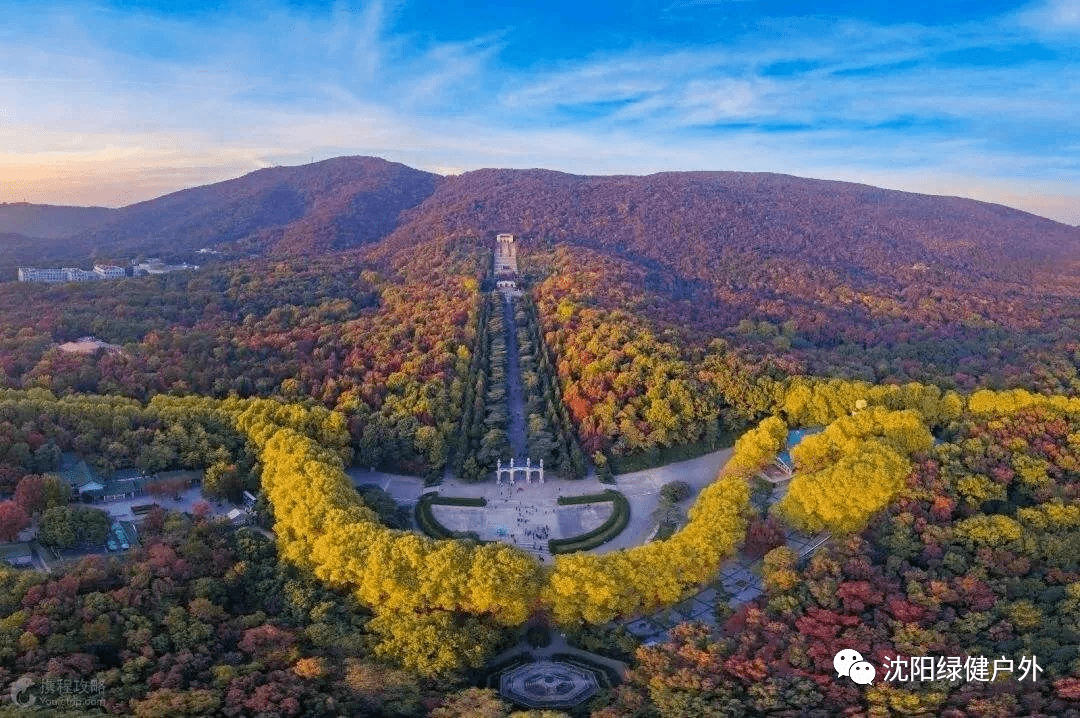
516,433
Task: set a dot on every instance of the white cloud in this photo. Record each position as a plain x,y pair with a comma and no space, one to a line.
1053,16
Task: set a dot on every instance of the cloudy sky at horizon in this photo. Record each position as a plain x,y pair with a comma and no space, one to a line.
115,102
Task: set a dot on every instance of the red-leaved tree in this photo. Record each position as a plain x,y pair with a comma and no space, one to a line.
13,519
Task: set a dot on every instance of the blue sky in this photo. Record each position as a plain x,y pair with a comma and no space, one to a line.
110,103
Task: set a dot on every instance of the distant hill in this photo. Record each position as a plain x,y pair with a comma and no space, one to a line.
329,205
704,278
20,250
11,241
50,221
316,208
40,234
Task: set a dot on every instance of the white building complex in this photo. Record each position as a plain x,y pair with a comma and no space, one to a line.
506,263
100,271
71,274
109,271
30,274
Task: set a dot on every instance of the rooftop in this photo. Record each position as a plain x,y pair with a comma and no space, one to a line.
88,345
16,554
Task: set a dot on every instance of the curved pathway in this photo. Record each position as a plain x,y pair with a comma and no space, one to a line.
642,489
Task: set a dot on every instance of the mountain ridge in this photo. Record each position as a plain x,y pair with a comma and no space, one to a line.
256,211
759,213
49,221
717,220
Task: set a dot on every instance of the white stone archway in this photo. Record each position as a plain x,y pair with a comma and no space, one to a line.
510,472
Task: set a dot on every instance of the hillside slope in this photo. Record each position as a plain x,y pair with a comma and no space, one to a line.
711,227
325,206
18,250
669,303
50,221
825,277
706,224
831,276
776,247
38,234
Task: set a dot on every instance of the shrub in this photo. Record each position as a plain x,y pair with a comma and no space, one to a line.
456,500
427,522
675,491
665,531
762,536
620,517
608,495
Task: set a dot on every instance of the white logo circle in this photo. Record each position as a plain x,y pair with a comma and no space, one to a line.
18,697
844,659
862,673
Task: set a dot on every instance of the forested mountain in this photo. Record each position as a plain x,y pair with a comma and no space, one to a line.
636,279
721,233
50,221
38,234
17,250
319,207
307,209
704,224
823,270
670,302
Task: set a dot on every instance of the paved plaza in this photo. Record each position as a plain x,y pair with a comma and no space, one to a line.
529,511
530,515
525,515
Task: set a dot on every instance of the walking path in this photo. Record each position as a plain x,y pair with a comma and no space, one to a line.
739,578
558,645
516,432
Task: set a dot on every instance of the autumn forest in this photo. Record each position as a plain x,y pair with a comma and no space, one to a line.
348,318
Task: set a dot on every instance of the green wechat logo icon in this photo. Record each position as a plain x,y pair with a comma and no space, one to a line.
850,663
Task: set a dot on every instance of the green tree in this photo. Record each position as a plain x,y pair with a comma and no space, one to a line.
223,480
70,526
57,528
56,491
